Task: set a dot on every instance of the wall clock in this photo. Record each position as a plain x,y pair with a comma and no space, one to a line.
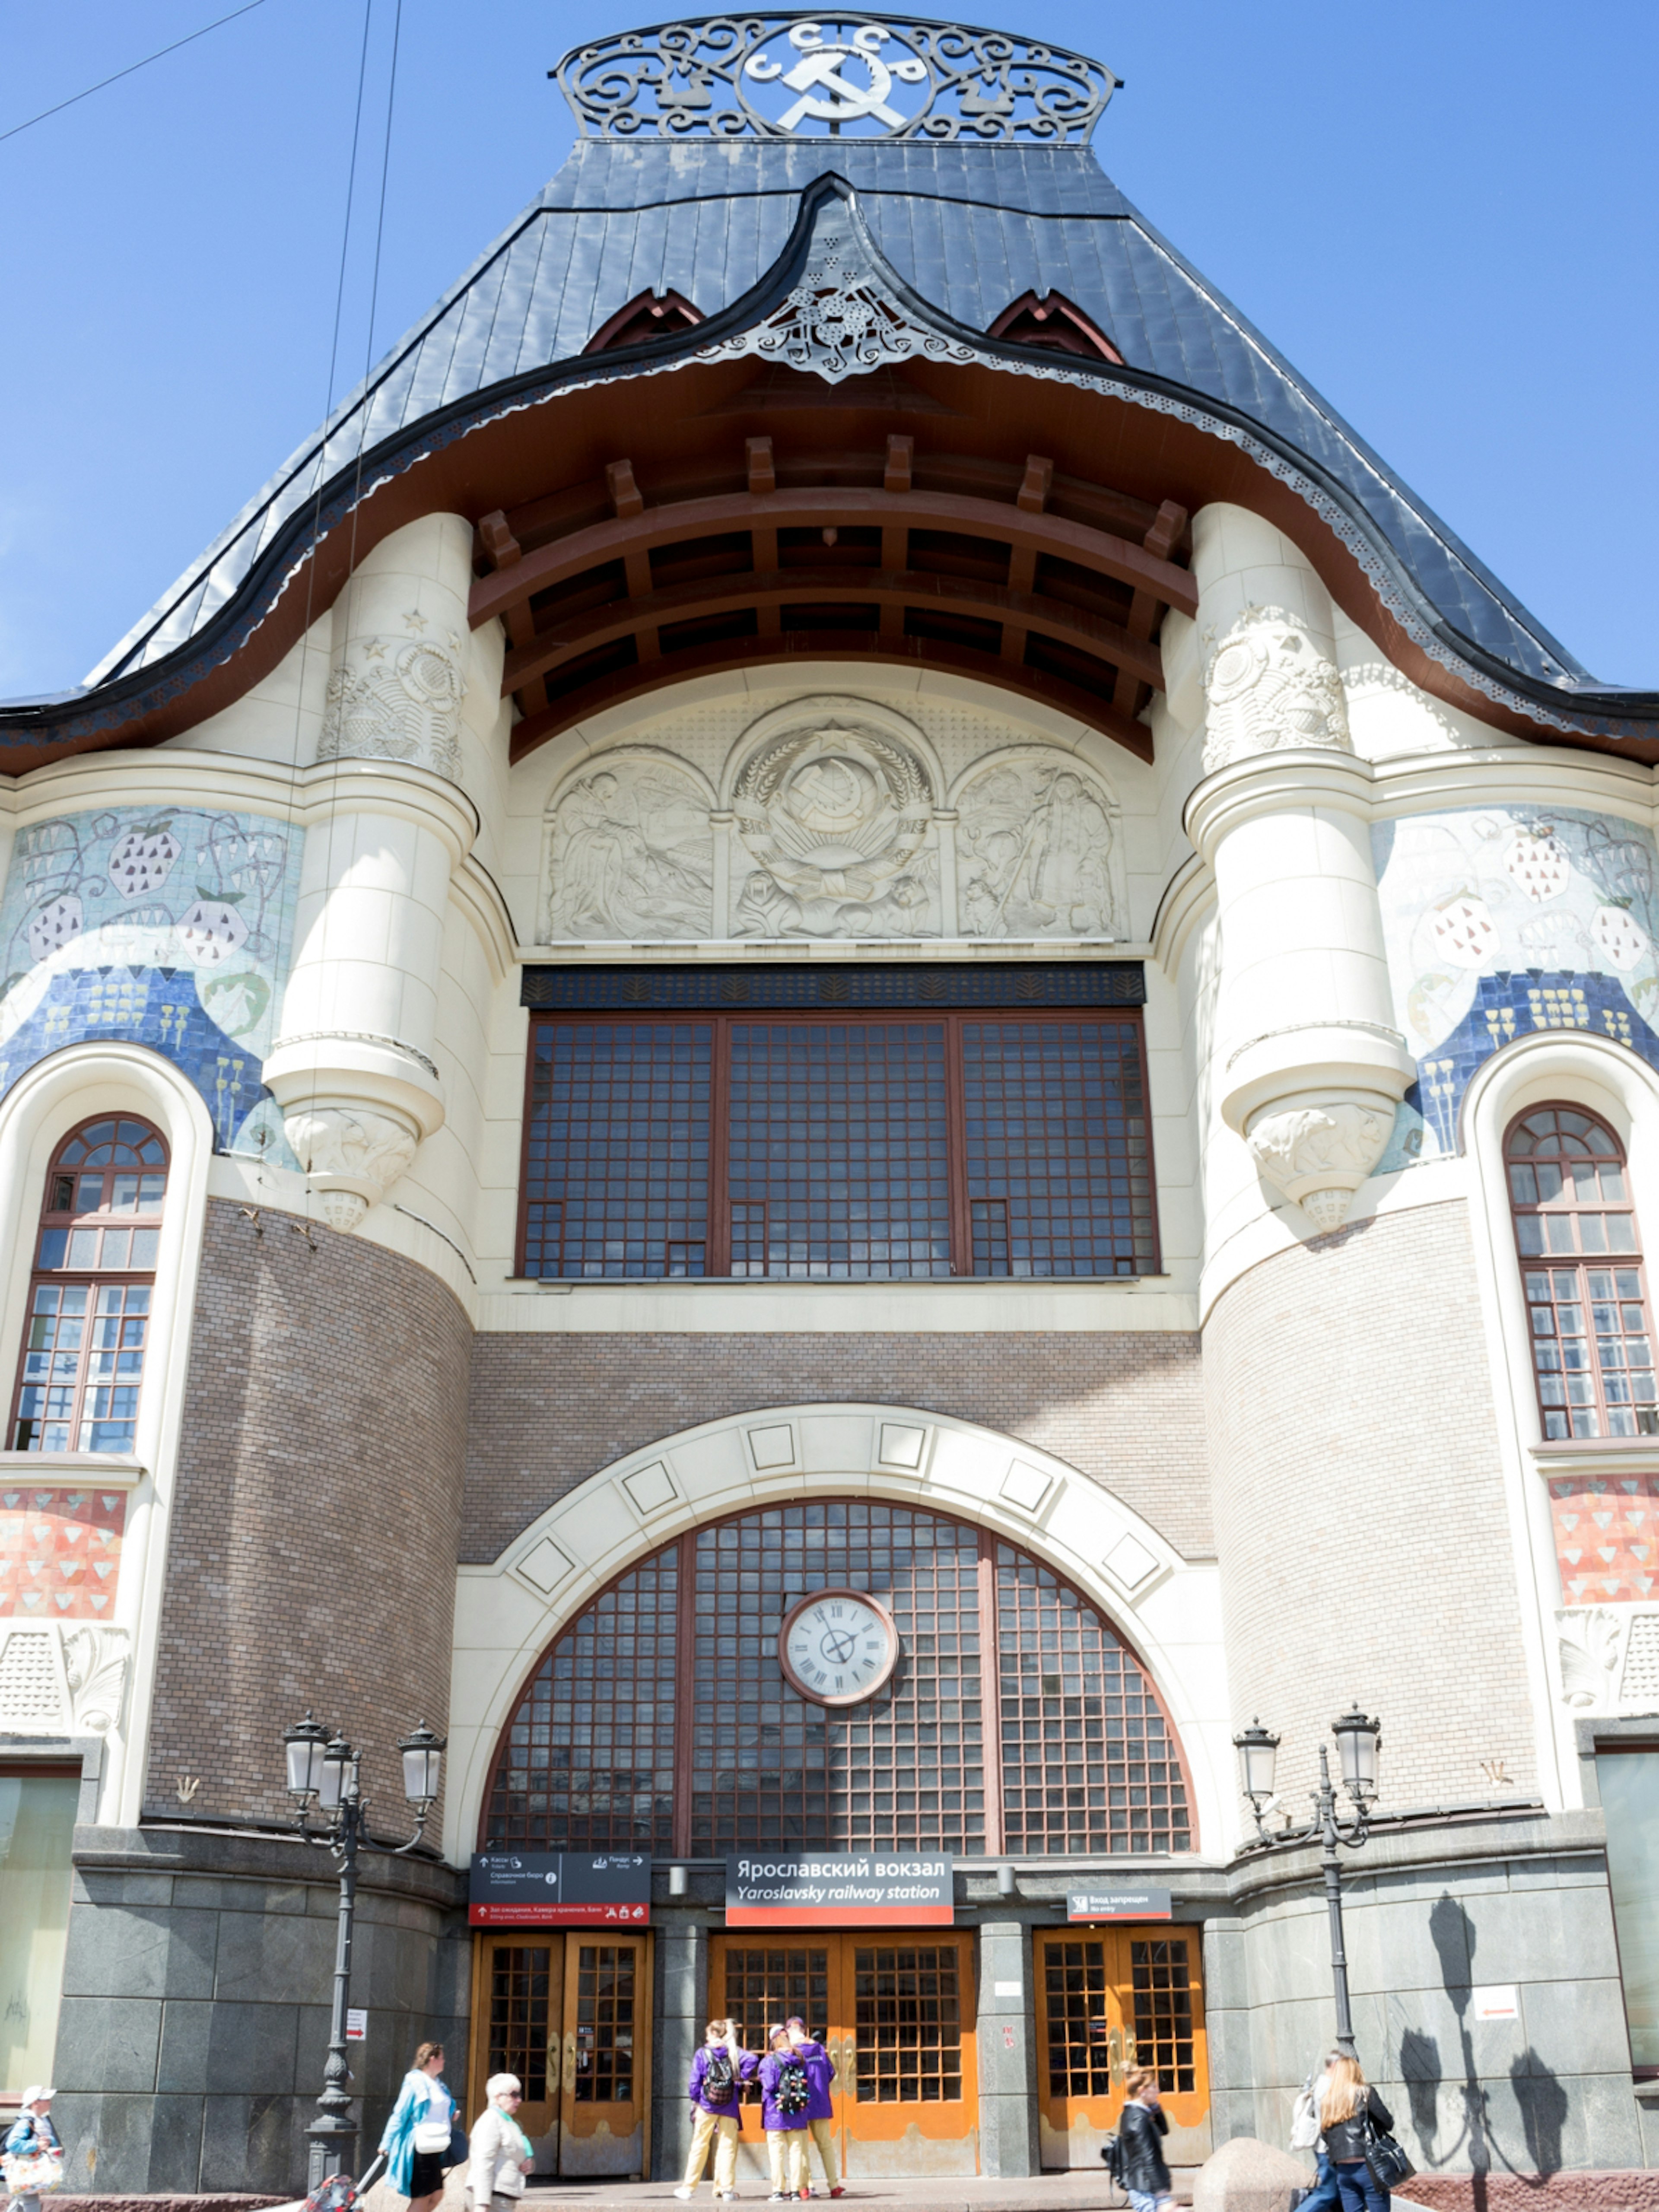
838,1647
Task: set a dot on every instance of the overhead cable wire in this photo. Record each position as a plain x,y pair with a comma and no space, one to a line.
160,54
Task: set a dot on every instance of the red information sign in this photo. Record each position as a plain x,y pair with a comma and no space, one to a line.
559,1889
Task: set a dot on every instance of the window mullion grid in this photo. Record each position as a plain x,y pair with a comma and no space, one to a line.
686,1690
718,1230
956,1144
990,1695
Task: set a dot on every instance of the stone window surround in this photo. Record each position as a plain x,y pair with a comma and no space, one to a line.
1165,1607
1590,1736
46,1104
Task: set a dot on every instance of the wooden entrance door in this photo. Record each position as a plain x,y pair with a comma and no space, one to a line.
896,2013
571,2015
1108,1999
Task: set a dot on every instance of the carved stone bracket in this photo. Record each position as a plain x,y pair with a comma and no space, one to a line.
352,1155
1268,687
1320,1152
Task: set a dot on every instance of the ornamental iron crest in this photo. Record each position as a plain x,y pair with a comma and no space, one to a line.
864,76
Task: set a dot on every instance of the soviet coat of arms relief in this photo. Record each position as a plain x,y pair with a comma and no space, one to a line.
833,819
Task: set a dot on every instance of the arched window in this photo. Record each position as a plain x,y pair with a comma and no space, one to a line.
650,315
1581,1261
1051,320
91,1291
660,1720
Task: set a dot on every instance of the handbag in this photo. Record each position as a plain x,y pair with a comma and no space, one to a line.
430,2137
1387,2162
33,2173
1305,2130
458,2149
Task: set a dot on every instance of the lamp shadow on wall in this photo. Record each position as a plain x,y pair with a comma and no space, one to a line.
1539,2097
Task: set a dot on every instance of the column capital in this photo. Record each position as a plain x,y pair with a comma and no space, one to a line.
1291,780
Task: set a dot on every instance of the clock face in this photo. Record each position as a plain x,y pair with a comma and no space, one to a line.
838,1646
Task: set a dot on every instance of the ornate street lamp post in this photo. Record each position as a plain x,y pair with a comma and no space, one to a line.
1357,1742
326,1769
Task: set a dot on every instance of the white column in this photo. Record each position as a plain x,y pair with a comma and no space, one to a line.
1310,1067
386,826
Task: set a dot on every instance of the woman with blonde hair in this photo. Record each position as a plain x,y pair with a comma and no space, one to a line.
1344,2100
500,2152
420,2130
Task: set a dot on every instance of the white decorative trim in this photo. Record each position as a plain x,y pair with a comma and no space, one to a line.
650,1490
1608,1656
62,1678
509,1612
98,1470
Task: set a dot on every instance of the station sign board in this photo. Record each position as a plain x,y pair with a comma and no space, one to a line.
814,1889
1105,1903
559,1889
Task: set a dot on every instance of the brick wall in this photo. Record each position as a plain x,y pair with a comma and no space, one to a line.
1364,1542
548,1410
314,1528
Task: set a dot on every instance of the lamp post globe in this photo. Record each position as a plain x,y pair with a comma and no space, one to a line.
422,1754
302,1745
1358,1741
1258,1751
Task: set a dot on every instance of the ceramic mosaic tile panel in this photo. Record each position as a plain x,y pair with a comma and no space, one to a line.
170,927
1500,920
60,1552
1607,1536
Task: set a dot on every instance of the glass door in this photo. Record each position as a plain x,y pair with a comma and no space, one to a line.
896,2015
1108,1999
518,1982
571,2019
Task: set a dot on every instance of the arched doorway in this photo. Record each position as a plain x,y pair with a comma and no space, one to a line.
1017,1721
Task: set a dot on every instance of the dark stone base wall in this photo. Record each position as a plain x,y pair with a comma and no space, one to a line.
311,1558
194,2022
1124,1407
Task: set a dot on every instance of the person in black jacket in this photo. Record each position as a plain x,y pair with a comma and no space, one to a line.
1344,2097
1141,2130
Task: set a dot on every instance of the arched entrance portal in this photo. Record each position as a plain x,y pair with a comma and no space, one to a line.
1017,1722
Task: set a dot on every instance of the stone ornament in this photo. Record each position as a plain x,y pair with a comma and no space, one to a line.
55,1680
398,698
632,853
1608,1657
836,821
352,1155
1319,1154
1035,852
1269,688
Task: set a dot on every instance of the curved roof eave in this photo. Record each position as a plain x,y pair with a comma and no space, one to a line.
434,386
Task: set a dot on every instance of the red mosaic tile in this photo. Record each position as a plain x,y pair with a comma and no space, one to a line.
1607,1537
60,1552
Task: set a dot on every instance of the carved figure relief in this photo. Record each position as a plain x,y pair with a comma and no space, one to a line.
837,821
398,698
352,1154
632,854
1320,1155
1036,853
1269,687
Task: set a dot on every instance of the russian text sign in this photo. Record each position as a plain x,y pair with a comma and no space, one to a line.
1104,1904
555,1889
810,1890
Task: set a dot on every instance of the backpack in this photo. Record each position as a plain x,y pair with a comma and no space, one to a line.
718,2079
792,2093
1111,2153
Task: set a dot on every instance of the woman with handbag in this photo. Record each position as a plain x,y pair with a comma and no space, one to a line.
500,2153
1351,2112
419,2134
32,2154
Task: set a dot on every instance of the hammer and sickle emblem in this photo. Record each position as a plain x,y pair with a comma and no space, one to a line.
819,67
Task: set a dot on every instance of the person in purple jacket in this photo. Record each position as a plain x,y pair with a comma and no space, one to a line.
718,2073
820,2112
784,2095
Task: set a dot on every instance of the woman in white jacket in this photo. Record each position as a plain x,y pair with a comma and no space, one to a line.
501,2154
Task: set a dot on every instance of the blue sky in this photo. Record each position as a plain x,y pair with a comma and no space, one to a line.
1445,214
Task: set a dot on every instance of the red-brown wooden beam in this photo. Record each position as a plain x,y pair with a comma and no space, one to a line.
812,508
716,595
733,655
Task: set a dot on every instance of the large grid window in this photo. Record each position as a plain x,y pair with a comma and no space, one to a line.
860,1148
520,2016
90,1291
1163,1996
588,1762
909,2000
1089,1762
1581,1266
660,1720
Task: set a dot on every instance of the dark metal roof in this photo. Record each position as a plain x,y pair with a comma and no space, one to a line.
966,228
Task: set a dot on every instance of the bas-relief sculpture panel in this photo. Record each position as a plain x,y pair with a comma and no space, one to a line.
1502,920
836,829
169,926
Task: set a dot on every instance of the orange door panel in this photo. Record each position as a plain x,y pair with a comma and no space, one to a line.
518,2007
605,2084
1108,1999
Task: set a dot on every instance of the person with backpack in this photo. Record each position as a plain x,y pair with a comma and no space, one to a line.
1346,2099
820,2108
718,2073
785,2095
1141,2167
1306,2135
34,2155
